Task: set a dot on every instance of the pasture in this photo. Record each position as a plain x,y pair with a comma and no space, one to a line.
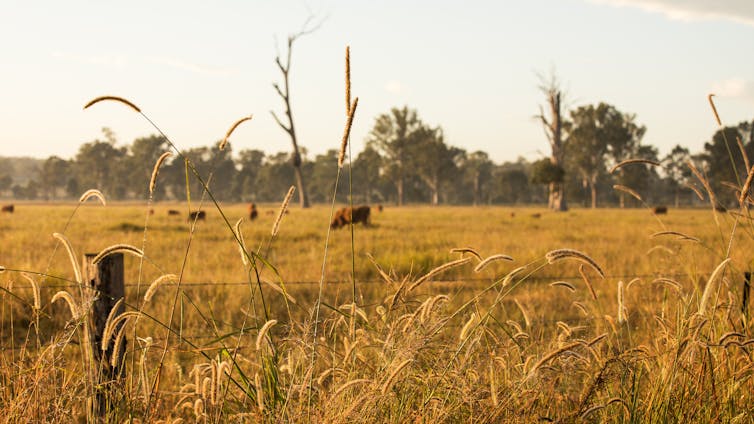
661,337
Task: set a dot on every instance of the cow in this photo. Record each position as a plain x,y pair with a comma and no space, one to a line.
347,216
173,212
379,207
197,215
8,208
536,215
660,210
253,211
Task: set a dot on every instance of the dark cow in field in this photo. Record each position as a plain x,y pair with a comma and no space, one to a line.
173,212
347,215
253,211
379,208
197,215
660,210
8,208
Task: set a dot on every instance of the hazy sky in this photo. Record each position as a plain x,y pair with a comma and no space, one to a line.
470,67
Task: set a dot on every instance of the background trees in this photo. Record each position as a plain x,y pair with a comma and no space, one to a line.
405,161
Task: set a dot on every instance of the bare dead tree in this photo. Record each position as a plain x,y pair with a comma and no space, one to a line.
553,127
285,94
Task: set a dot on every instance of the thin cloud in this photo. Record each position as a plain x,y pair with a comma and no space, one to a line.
741,11
734,88
193,67
114,61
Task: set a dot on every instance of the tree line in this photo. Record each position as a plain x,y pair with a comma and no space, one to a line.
408,161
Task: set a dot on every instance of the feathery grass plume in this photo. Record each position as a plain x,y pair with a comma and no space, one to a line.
156,170
34,289
488,260
668,282
463,250
743,152
430,304
108,322
347,133
93,193
473,320
493,386
439,269
199,408
628,190
704,181
113,98
71,255
348,80
72,306
711,286
107,334
118,346
279,289
621,306
746,187
233,127
581,307
389,382
263,332
509,277
695,189
351,383
565,284
260,392
242,245
633,161
523,313
681,236
152,289
550,356
662,248
117,248
283,208
714,109
588,282
382,273
556,255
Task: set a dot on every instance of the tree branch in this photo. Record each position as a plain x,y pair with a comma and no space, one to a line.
288,130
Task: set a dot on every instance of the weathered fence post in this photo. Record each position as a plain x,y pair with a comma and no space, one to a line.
745,302
106,278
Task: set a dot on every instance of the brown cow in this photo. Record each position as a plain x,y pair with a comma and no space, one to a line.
347,215
173,212
197,215
8,208
660,210
253,211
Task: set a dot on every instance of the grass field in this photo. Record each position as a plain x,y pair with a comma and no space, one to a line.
661,338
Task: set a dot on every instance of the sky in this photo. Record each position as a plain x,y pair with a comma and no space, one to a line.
195,67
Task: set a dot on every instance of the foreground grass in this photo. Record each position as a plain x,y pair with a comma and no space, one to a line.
497,345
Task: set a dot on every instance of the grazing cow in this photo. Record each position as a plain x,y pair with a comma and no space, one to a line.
197,215
536,215
8,208
347,215
721,208
379,207
173,212
660,210
151,211
253,211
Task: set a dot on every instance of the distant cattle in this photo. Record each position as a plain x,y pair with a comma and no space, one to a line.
8,208
720,208
660,210
151,211
253,211
536,215
173,212
379,208
197,215
347,215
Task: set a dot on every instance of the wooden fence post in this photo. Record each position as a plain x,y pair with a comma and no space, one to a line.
106,278
745,302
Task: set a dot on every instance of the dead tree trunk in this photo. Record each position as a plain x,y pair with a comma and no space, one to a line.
285,94
554,131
